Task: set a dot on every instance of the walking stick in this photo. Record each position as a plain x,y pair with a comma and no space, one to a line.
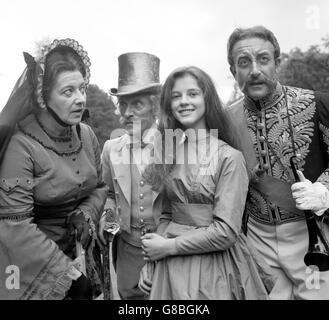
110,230
80,261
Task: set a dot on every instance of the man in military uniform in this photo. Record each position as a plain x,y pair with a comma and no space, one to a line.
274,123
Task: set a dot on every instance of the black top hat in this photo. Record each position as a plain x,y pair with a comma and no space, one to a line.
138,71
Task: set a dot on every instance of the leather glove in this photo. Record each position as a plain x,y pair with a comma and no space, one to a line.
78,222
310,196
80,289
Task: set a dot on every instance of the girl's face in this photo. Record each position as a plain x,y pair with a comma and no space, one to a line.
187,103
68,96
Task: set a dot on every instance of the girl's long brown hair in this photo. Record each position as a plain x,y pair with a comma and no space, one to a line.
215,118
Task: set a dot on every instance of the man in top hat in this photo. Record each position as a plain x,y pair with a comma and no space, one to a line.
124,159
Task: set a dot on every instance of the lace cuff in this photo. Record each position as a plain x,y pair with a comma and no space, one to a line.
74,273
51,284
63,284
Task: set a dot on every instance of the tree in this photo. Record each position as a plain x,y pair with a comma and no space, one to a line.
102,116
309,69
235,95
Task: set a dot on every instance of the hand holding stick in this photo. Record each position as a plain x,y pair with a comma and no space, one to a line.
109,231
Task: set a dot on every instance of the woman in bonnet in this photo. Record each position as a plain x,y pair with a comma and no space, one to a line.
51,187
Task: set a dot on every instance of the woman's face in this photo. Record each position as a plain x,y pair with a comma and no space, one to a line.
187,103
68,96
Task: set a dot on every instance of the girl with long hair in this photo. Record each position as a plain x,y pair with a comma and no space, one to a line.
199,250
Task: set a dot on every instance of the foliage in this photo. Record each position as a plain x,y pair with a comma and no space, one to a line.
235,95
309,69
103,119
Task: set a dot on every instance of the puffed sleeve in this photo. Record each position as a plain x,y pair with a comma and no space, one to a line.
323,123
107,176
93,204
43,271
229,202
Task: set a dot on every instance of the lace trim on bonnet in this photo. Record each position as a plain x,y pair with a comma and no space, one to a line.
41,58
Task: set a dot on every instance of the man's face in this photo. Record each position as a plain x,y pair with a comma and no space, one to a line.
255,68
137,113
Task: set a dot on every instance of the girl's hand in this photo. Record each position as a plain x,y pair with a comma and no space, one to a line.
156,247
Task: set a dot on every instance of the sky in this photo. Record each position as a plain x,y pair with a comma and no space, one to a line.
179,32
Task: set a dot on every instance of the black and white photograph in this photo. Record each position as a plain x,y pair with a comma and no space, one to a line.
173,150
